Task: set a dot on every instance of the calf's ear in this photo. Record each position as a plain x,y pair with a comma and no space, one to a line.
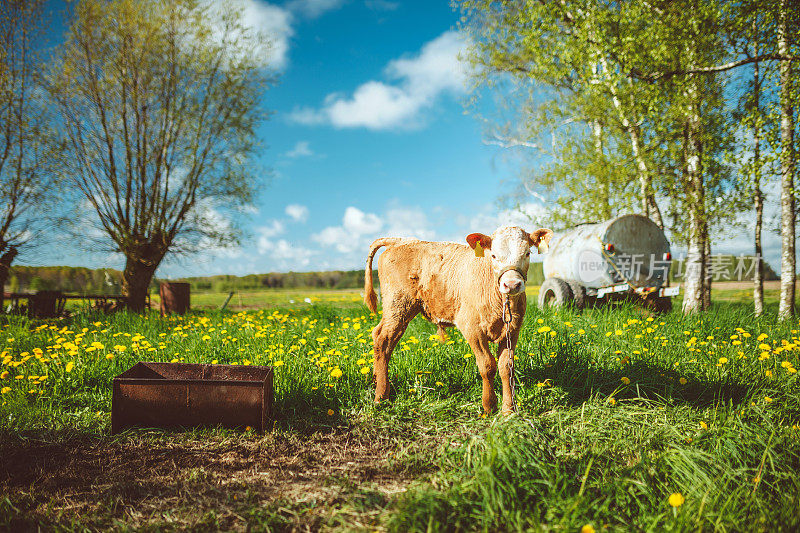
540,239
479,238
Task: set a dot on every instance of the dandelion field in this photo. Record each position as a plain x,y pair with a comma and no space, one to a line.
628,421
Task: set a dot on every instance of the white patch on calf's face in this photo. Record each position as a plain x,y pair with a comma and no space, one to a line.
510,248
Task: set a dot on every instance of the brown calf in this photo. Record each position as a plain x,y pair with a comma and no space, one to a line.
451,286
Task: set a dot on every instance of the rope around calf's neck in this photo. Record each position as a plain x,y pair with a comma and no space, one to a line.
507,317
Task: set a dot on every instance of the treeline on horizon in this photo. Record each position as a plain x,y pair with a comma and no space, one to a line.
81,280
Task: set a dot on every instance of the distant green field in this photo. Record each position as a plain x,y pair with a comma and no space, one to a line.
296,298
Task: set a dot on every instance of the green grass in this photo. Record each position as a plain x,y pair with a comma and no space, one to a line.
618,410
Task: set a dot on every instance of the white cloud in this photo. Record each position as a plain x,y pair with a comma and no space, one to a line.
266,233
489,219
358,222
351,235
408,222
337,237
301,149
313,8
358,229
297,212
258,19
285,254
275,23
379,105
274,228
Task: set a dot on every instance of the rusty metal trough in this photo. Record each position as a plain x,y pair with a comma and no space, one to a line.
175,395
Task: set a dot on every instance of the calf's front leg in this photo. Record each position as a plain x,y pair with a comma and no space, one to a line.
487,366
504,354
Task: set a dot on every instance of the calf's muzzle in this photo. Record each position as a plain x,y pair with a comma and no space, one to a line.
513,286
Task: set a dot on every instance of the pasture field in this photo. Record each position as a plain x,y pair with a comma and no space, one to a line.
628,421
724,291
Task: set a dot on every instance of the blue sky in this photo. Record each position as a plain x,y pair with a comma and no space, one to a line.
368,137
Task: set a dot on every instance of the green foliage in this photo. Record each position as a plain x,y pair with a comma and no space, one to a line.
109,281
337,279
78,280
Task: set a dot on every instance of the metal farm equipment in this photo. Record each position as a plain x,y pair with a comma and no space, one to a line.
619,258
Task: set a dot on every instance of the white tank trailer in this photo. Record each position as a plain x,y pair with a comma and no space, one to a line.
617,258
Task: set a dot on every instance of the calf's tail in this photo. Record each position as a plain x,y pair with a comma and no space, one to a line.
370,297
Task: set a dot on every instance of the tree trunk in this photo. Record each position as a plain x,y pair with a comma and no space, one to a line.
602,180
649,204
136,280
707,277
5,264
758,198
693,298
786,306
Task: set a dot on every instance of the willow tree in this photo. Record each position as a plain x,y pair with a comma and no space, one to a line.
159,101
25,140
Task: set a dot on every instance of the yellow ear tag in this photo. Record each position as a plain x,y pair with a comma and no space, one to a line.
542,248
478,250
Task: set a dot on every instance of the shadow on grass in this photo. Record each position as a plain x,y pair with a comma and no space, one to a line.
580,380
157,479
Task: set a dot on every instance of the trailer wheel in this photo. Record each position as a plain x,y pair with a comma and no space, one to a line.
554,292
578,293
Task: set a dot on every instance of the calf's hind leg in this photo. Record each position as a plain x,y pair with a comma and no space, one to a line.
396,316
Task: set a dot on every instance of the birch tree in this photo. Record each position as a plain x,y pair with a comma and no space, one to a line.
788,268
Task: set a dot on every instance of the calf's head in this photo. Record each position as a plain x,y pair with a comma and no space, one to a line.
509,250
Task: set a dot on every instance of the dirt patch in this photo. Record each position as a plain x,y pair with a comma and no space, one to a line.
339,478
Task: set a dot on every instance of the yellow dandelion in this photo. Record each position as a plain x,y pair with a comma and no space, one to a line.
625,380
723,360
587,529
365,370
5,390
682,381
330,412
676,499
336,373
